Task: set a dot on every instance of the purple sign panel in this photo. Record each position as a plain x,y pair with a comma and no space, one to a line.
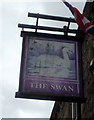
51,66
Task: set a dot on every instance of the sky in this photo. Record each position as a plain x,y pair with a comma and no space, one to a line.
12,13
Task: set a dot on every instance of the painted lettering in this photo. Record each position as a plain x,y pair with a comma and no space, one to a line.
70,88
38,85
62,87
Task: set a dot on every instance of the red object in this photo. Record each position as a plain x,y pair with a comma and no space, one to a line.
81,20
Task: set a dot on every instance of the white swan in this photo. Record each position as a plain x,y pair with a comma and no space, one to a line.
54,65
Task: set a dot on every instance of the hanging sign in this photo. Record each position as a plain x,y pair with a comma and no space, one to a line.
50,67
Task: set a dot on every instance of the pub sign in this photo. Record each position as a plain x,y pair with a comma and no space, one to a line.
50,67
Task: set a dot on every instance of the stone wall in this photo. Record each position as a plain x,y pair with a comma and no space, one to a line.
88,54
63,110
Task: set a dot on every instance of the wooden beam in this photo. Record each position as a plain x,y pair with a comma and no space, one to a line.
51,17
48,28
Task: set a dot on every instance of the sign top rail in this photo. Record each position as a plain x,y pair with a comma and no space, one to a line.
65,29
37,15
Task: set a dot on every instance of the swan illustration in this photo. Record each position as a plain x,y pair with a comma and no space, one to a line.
54,64
51,59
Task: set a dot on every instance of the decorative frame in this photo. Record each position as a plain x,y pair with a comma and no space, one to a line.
51,67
